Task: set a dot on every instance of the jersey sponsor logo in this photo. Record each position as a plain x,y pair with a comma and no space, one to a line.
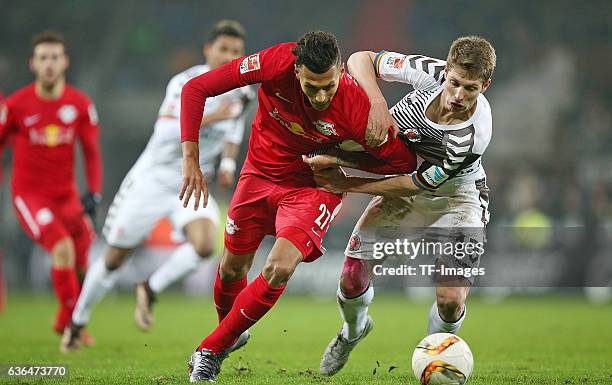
434,175
44,216
250,63
93,114
278,95
52,135
413,135
355,242
325,128
293,127
230,226
395,62
30,120
67,113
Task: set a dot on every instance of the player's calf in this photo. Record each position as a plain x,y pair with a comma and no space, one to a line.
448,311
65,282
450,302
355,277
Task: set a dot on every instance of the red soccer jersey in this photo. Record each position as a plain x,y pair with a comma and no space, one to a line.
3,112
286,126
44,134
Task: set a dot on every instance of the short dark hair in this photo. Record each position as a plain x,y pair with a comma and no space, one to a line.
48,36
318,51
226,28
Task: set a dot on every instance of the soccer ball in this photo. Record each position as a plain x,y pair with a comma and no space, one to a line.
442,359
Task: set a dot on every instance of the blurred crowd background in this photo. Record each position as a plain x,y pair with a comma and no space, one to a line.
549,164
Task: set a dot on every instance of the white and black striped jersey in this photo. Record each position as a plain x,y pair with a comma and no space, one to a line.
164,147
444,151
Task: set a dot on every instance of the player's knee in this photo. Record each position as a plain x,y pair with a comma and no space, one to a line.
203,248
63,254
450,303
233,266
202,234
115,257
232,272
278,272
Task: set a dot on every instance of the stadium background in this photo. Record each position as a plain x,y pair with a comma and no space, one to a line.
548,164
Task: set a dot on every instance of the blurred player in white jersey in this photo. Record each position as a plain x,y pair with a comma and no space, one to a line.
148,192
447,122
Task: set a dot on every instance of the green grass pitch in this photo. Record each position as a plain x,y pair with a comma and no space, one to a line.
548,340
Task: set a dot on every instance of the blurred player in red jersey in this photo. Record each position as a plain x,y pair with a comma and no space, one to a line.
2,283
45,118
306,103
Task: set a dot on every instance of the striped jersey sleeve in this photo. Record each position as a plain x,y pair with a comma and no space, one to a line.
418,70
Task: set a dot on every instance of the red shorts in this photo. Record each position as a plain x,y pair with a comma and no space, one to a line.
260,207
48,220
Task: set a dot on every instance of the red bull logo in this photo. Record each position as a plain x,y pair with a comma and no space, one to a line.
52,135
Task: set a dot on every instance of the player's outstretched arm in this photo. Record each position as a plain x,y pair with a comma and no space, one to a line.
89,133
363,161
194,182
6,123
361,66
336,181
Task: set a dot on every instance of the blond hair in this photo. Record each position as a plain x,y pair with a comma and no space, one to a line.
473,54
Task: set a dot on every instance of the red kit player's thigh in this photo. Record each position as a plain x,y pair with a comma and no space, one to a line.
250,216
74,218
310,210
40,220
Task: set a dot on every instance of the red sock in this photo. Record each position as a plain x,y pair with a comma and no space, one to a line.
66,288
251,305
226,293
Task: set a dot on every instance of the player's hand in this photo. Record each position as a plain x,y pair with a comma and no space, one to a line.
194,182
332,180
226,179
90,203
320,162
226,172
379,123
